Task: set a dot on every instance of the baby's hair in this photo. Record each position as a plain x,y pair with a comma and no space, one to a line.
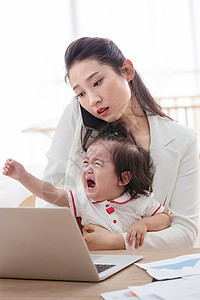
128,157
113,131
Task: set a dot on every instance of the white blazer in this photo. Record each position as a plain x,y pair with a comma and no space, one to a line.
174,150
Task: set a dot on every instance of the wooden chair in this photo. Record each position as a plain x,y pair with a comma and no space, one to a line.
28,202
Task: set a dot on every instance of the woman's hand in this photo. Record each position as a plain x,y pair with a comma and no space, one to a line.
99,238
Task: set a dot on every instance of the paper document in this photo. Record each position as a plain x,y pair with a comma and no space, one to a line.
186,286
181,266
121,294
178,289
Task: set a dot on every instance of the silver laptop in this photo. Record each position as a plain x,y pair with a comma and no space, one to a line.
46,243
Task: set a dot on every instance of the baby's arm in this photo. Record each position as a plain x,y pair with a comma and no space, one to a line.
41,189
154,223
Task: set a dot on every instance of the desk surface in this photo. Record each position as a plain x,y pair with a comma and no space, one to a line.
57,290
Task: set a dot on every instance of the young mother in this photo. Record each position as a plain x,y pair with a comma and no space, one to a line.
108,89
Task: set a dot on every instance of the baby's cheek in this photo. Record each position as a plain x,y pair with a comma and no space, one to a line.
83,179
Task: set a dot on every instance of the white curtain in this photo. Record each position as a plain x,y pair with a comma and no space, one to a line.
161,37
34,37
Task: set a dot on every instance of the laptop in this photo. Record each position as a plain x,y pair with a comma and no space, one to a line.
46,243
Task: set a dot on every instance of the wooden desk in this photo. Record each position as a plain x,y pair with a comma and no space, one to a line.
57,290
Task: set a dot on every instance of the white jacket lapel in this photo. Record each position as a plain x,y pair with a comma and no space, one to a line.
165,158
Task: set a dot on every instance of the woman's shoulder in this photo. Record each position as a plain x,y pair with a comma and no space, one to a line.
72,108
70,115
177,129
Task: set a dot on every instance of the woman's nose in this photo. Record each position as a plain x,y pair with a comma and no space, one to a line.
94,99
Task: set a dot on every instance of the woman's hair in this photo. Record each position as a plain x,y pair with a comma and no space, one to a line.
128,157
106,52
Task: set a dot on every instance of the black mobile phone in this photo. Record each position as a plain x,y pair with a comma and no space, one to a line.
91,122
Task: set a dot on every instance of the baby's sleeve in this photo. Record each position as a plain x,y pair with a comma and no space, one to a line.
152,207
76,201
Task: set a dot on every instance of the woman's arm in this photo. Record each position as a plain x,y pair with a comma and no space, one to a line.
100,238
184,203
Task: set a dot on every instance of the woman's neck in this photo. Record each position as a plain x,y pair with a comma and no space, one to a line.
137,121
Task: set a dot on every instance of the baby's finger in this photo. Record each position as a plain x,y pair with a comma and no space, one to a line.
131,239
5,171
8,160
141,240
6,164
11,162
137,240
6,167
128,236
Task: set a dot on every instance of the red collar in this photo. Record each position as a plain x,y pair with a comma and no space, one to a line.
120,200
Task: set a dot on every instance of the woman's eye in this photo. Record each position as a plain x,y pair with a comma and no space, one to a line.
97,82
80,95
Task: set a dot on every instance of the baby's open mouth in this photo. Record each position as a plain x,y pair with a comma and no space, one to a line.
90,183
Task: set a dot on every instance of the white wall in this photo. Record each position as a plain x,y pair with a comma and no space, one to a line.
161,38
34,37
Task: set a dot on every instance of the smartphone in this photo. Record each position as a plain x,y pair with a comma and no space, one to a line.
91,122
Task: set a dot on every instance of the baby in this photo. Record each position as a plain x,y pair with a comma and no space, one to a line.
117,189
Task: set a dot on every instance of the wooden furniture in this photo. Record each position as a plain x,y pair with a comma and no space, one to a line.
183,109
61,290
28,202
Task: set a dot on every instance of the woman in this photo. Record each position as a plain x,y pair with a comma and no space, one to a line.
108,89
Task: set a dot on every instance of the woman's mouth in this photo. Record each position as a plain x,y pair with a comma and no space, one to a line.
102,111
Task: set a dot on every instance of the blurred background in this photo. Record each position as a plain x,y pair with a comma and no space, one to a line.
161,37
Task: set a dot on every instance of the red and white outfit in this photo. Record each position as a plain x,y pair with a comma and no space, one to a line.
116,215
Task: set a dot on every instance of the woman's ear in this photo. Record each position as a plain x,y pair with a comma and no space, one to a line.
126,177
128,70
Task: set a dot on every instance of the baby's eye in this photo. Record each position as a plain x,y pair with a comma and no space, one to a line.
85,163
97,163
80,95
97,82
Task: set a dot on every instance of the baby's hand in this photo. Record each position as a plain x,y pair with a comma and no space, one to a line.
137,231
14,169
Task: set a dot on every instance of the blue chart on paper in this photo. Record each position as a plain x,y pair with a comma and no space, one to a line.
180,265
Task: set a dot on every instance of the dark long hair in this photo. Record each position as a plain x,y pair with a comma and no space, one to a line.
106,52
128,157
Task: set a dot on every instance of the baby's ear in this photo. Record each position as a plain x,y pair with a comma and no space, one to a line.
126,177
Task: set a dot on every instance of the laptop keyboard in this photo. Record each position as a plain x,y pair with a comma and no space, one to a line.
100,268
